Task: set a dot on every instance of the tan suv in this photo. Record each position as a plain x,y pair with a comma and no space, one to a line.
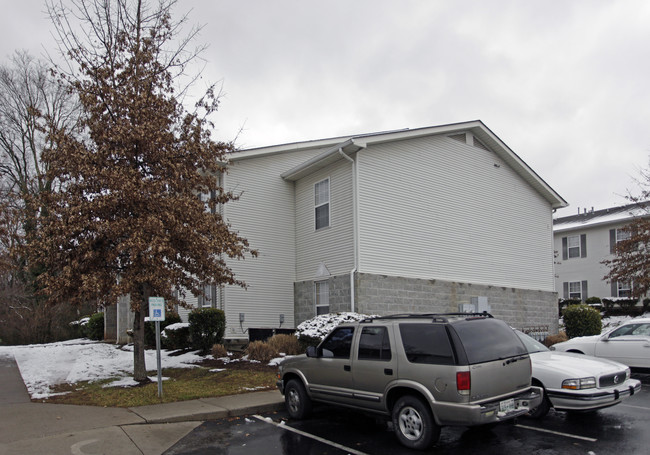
423,370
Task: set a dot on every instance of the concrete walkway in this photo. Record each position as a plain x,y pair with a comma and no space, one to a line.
41,428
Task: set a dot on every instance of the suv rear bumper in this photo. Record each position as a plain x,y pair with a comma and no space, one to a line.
488,412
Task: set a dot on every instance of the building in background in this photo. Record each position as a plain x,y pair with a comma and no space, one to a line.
582,242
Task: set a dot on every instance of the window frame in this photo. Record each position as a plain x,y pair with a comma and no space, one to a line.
320,204
574,247
321,290
572,293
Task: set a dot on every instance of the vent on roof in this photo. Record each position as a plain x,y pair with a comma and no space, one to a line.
480,145
459,137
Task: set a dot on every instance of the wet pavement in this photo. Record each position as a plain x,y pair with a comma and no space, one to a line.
621,429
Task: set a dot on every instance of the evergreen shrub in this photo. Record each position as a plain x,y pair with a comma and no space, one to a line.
581,320
95,327
207,327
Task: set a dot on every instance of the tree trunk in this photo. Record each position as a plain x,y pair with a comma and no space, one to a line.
139,367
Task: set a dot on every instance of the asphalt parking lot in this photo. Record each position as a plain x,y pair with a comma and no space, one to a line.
621,429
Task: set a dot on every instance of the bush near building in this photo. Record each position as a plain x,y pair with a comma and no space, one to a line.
207,327
581,320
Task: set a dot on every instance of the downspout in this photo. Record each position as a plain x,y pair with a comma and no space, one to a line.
354,227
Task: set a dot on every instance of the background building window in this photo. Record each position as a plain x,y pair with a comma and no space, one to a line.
624,290
574,246
322,204
575,290
322,297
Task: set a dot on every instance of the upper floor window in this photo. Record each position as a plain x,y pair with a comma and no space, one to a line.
574,246
622,235
322,204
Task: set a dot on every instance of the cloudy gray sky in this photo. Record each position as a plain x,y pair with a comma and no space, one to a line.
563,83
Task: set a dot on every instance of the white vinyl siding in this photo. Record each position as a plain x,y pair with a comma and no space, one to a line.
264,215
436,208
334,246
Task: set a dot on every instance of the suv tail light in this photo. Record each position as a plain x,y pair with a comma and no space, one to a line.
463,382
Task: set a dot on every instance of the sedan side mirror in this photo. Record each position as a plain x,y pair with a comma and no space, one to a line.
312,351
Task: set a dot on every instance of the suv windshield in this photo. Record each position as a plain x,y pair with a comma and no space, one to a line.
486,340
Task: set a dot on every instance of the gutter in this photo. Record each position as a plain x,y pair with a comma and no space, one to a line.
355,224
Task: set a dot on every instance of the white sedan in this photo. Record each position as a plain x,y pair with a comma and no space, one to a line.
628,343
574,382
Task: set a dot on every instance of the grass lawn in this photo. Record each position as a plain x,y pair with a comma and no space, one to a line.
182,384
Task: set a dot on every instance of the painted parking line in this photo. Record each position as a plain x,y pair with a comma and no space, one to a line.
645,408
309,435
558,433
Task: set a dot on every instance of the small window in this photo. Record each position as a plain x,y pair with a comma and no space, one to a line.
322,297
322,204
575,290
426,343
338,344
624,289
374,344
573,242
622,235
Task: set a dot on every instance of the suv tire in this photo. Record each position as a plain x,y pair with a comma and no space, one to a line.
296,399
414,424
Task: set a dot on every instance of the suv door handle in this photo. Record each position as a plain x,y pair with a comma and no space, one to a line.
388,371
346,367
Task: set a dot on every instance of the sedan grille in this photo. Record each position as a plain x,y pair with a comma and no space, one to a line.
612,379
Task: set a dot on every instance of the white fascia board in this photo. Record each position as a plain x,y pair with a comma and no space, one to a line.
326,158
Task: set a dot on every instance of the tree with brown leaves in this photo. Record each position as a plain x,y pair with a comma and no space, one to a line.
631,262
129,218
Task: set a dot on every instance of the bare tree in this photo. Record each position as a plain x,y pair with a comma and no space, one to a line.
130,220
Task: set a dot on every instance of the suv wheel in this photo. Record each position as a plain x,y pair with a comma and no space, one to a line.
543,408
414,424
296,400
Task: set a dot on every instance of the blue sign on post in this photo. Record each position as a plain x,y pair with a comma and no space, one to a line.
156,309
157,314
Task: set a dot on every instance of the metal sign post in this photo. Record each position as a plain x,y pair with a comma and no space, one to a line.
157,314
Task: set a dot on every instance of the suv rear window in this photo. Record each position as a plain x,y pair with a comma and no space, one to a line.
426,343
485,340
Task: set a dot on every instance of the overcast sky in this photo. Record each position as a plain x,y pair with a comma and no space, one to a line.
563,83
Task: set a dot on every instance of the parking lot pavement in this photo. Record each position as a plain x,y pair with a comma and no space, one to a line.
616,430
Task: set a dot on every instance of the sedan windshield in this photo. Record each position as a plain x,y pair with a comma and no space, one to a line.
531,344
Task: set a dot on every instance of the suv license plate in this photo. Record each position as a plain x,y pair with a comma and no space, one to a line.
507,405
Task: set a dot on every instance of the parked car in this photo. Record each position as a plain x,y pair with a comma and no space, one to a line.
574,382
422,370
628,343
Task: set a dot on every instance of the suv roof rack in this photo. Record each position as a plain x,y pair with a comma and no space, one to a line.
435,317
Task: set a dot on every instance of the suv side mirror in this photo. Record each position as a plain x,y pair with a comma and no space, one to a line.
312,351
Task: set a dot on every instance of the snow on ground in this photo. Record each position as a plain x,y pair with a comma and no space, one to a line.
44,365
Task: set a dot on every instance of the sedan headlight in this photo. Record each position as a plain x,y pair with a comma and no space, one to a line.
579,384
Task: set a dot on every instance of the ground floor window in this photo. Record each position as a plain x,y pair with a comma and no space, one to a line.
322,297
575,290
624,290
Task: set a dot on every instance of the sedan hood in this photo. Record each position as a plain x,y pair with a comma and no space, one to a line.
574,365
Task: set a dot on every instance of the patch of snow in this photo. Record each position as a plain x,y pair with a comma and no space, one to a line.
43,366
